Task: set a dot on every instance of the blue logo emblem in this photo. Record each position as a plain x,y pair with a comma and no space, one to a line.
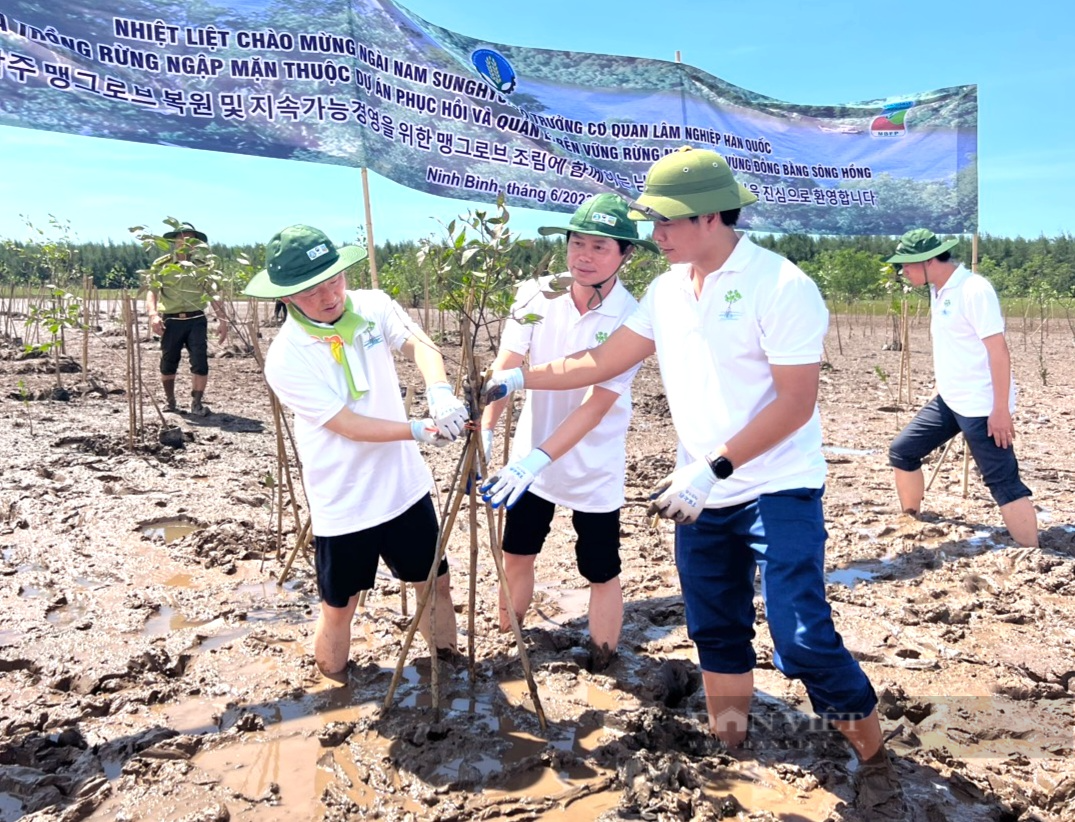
375,339
494,69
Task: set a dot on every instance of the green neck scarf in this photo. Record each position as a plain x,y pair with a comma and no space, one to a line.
340,336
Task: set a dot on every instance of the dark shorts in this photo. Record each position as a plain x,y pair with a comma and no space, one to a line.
935,424
347,564
190,334
597,549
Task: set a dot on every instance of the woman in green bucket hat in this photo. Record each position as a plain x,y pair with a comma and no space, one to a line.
368,487
569,447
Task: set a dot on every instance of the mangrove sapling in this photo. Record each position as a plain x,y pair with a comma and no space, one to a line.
475,276
24,397
62,310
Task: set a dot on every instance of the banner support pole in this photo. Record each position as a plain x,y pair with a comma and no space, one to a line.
371,247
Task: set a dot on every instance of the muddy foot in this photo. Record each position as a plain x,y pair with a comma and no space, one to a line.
878,793
199,410
600,659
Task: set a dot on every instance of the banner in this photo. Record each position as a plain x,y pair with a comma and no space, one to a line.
366,83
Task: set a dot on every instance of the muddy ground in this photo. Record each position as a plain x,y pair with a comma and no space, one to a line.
152,668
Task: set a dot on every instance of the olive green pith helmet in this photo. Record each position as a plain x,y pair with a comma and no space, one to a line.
300,257
689,182
919,245
603,215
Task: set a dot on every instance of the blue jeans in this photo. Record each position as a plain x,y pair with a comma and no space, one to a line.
935,424
783,536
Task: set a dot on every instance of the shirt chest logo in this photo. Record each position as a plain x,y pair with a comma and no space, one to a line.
730,312
600,336
946,307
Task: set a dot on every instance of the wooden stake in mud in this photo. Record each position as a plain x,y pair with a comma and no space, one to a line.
466,472
129,382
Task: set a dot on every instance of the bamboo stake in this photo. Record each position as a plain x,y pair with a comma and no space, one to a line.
369,229
129,362
85,326
966,467
940,462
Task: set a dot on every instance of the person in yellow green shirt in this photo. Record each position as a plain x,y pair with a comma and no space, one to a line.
176,308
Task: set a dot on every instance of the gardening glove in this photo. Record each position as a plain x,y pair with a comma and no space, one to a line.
682,495
502,383
426,431
448,412
510,482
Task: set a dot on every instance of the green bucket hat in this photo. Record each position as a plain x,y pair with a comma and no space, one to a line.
300,257
689,182
603,215
919,245
185,228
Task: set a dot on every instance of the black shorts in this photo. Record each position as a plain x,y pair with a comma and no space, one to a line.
597,549
191,334
347,564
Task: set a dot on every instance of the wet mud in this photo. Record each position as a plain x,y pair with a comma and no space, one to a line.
152,668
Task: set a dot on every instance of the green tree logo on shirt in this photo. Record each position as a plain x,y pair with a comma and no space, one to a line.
600,336
731,298
946,307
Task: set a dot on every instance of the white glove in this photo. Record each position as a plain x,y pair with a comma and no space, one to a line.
448,412
426,431
487,445
512,481
682,495
502,383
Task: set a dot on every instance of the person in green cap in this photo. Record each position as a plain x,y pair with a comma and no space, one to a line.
176,309
738,332
975,389
569,446
368,487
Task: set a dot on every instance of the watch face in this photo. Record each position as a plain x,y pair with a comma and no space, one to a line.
722,467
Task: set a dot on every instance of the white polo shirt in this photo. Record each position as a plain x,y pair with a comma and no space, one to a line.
715,353
590,476
350,485
962,314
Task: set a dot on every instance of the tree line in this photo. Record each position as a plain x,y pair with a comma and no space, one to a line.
846,268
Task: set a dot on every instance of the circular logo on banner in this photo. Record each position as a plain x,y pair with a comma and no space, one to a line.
495,69
889,123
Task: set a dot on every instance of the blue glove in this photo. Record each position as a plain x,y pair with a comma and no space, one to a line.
682,495
425,431
502,383
448,412
512,481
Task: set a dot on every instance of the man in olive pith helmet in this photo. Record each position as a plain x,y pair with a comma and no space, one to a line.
738,334
975,389
569,446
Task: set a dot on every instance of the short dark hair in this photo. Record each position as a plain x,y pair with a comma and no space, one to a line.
623,244
729,217
944,256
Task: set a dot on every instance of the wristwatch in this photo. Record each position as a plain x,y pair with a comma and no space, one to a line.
722,467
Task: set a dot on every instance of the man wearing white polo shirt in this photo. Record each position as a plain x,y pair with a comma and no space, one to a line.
738,334
975,390
569,446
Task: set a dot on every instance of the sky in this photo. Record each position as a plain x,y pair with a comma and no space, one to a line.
825,52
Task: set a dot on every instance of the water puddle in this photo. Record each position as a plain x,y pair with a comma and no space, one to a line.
849,576
168,619
169,530
10,808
